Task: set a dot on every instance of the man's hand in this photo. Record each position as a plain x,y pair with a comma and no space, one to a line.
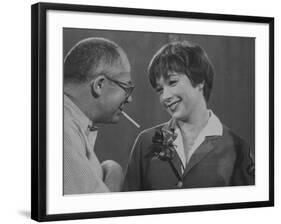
113,175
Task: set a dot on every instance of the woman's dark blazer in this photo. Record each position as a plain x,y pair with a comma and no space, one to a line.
219,161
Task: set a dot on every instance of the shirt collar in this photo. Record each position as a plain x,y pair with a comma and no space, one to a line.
77,114
212,128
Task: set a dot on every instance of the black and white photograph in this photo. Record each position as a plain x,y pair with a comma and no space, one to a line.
140,112
157,111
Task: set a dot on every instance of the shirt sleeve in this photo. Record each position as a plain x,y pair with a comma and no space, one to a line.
78,176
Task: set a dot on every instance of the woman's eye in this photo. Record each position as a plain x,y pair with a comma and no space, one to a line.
173,82
159,90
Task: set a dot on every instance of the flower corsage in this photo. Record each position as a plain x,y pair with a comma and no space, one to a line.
163,148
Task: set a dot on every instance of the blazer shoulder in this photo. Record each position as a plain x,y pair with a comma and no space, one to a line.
234,138
237,145
244,167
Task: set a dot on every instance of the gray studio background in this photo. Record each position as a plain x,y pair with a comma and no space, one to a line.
232,97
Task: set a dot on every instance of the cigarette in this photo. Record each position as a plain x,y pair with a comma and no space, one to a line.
130,119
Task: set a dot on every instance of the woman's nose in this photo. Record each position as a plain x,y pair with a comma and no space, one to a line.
166,93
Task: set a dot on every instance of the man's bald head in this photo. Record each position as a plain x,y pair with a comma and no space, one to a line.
90,57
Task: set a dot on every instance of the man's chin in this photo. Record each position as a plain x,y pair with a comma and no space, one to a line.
115,119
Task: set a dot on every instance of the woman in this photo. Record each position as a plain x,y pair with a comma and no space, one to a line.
193,149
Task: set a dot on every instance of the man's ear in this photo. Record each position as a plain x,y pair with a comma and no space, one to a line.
97,85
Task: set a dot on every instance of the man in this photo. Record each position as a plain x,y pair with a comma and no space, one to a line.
97,85
194,149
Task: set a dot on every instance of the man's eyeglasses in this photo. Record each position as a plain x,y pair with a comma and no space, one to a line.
127,87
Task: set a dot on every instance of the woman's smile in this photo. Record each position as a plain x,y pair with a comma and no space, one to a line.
173,105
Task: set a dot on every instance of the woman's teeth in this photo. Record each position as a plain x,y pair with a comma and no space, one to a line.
173,105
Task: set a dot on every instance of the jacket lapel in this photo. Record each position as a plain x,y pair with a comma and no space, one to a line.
203,150
176,160
177,164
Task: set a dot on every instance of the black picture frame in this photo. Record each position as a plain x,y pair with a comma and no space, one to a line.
39,109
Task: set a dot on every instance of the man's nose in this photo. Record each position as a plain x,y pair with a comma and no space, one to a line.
129,99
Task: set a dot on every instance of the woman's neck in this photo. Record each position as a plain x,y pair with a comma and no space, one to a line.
195,124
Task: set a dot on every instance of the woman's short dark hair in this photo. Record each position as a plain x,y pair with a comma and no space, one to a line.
186,58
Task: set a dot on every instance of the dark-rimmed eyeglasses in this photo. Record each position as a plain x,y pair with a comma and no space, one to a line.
127,87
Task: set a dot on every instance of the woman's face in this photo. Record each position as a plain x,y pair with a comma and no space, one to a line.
179,97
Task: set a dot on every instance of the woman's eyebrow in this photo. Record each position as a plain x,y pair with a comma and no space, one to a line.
157,86
171,74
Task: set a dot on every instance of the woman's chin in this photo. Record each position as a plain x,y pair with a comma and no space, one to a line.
176,116
179,116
